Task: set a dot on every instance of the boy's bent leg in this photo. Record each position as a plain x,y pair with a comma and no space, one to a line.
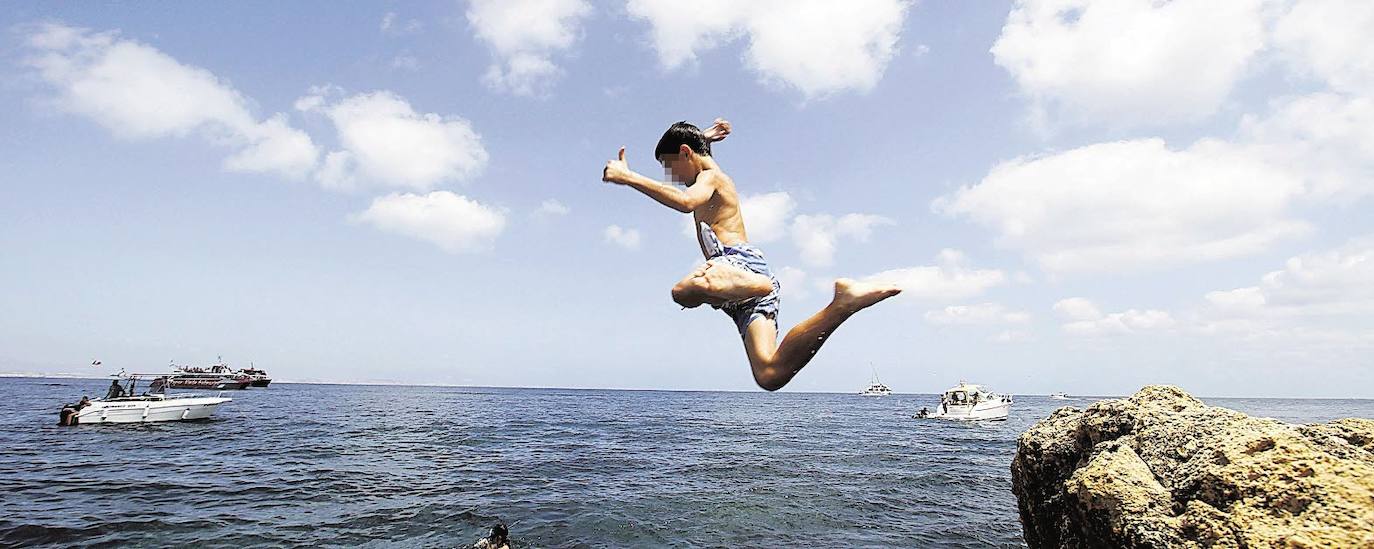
718,282
775,365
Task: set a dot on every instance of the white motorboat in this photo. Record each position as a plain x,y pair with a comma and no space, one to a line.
970,402
1060,396
124,405
876,388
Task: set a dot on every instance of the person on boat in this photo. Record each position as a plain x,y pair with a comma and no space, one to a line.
736,278
69,413
116,390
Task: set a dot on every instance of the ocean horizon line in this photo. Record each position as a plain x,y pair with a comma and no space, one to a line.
383,383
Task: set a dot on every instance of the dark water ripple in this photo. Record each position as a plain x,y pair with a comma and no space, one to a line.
434,467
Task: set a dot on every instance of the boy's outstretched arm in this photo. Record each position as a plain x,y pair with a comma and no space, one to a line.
685,201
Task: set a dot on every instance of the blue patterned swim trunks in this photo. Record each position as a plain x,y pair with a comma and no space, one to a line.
750,259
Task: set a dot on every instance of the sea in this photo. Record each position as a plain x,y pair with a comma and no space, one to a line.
416,466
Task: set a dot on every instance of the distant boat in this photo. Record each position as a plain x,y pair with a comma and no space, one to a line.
970,402
123,405
256,377
1060,396
217,376
876,388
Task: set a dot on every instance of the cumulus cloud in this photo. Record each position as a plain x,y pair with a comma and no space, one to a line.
1130,62
1320,304
453,222
1012,336
1326,138
1339,281
793,281
551,207
623,237
137,92
817,47
1329,39
524,36
816,235
979,314
1077,308
1086,320
387,143
949,279
1134,204
766,215
392,24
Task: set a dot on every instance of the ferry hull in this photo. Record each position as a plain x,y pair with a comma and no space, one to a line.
220,384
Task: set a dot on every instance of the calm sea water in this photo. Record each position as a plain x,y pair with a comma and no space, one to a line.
434,467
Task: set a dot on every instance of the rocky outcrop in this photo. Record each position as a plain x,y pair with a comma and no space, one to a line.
1162,469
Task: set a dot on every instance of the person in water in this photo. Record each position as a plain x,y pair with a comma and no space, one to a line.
498,538
736,278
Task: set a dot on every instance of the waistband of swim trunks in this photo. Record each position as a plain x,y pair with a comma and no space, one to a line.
743,249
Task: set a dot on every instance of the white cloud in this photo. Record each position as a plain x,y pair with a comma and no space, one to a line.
392,24
766,215
979,314
1134,204
950,279
386,143
793,282
551,207
815,46
1013,336
1247,299
1086,320
1077,308
623,237
453,222
1329,39
1318,307
1327,138
816,235
524,35
405,62
1332,282
1127,62
138,92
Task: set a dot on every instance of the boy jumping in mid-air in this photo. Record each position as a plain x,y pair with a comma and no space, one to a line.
735,277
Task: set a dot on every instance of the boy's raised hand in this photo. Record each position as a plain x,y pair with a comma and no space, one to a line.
718,130
616,171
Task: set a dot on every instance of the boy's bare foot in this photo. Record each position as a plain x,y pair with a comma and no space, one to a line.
852,295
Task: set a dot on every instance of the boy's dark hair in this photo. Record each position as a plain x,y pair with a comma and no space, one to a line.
680,134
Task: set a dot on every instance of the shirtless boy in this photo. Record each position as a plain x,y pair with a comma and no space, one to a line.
736,278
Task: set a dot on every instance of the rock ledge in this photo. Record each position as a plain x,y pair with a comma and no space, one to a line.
1162,469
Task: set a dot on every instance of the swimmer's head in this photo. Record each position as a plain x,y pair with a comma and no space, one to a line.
499,534
678,150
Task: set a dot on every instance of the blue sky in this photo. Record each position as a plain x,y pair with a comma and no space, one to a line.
1076,196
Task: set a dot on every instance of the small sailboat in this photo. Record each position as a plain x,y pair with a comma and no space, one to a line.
876,388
